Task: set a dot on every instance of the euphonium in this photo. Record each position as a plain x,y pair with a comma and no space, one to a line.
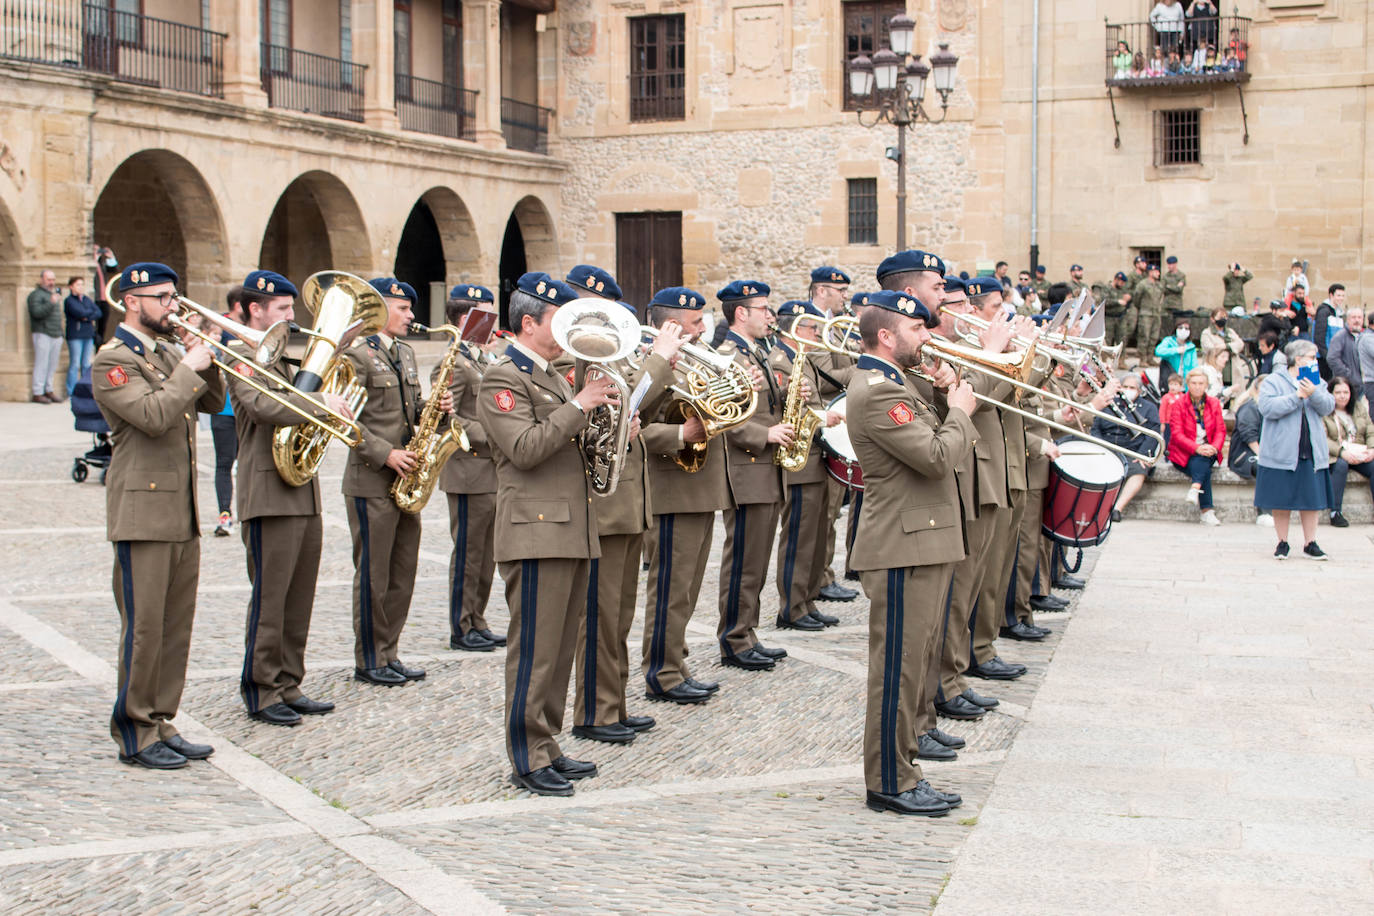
598,332
431,444
344,307
804,420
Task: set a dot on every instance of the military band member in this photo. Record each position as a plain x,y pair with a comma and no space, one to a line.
386,540
149,393
281,530
755,483
546,532
857,303
908,540
469,479
1032,547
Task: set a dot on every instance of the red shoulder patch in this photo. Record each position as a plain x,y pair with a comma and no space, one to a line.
505,400
244,370
570,375
117,376
780,377
901,414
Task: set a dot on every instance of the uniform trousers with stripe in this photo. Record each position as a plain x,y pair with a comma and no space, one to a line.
967,581
992,597
834,502
547,600
155,590
1032,561
603,650
472,522
749,534
682,548
283,564
801,549
906,610
386,547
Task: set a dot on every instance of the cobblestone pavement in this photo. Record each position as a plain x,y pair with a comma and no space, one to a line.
399,800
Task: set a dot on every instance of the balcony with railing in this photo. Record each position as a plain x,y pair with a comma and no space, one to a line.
1167,54
312,83
442,109
127,47
525,126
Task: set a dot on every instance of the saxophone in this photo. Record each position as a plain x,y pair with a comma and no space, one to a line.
431,445
804,420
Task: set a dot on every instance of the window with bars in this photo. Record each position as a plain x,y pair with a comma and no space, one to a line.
863,211
453,43
658,68
1178,136
865,31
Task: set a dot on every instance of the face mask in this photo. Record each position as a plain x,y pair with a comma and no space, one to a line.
1129,394
1183,333
111,263
1221,322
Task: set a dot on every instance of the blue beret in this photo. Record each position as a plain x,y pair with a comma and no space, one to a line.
1120,275
859,299
798,307
1076,267
742,289
541,286
979,286
903,304
827,274
471,293
1171,259
594,279
1040,268
955,285
903,261
679,297
963,275
270,283
145,273
393,288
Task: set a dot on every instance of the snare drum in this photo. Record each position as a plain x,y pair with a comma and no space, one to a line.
840,461
1084,482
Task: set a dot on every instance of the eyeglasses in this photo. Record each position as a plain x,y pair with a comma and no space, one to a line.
163,299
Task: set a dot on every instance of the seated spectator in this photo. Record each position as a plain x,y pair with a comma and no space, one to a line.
1292,471
1343,355
1156,67
1279,320
1177,350
1214,364
1210,62
1129,405
1217,335
1138,68
1231,63
1174,66
1173,391
1198,61
1350,443
1270,356
1245,441
1237,48
1198,432
1304,311
1121,60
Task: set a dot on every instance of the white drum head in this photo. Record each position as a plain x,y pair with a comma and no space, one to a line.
1089,463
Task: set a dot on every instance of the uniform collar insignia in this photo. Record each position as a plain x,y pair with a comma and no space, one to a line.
522,362
740,342
129,340
887,369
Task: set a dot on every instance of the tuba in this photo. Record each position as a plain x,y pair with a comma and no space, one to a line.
432,447
344,307
598,332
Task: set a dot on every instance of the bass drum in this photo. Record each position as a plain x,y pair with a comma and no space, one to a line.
1084,482
840,461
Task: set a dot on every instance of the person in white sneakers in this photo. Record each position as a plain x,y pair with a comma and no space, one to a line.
1197,434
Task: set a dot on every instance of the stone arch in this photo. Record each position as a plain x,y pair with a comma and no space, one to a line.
529,244
316,225
14,319
438,246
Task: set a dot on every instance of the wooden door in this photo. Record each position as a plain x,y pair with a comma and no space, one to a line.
648,255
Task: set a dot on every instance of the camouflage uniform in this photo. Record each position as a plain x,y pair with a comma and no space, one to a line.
1173,299
1121,317
1235,289
1149,301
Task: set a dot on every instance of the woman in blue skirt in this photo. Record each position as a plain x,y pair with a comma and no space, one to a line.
1292,469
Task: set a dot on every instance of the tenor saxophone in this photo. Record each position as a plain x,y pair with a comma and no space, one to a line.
804,420
431,443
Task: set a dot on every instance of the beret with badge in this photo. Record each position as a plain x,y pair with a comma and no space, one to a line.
269,283
910,260
858,299
678,297
541,286
794,307
742,289
471,293
981,286
145,273
827,274
955,286
903,304
393,288
594,279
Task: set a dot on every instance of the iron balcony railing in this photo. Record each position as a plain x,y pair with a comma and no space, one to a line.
525,126
125,46
442,109
312,83
1197,50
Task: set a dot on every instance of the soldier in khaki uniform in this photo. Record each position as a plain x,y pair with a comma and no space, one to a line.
469,479
755,483
1076,283
908,540
1149,299
1031,552
1042,286
1174,282
149,393
386,540
546,530
1120,315
1234,281
281,529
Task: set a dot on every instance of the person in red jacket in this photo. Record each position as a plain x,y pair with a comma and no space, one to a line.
1198,432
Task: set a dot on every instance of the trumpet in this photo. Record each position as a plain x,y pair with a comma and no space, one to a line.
597,333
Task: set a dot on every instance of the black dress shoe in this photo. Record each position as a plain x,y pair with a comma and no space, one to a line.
308,707
927,748
156,756
1067,581
574,769
682,694
959,708
708,686
187,749
804,622
1047,603
912,801
638,723
749,660
471,641
405,671
1339,521
837,592
828,619
852,576
949,798
946,738
997,670
277,714
615,733
977,699
1022,631
543,781
383,676
498,638
766,652
1116,515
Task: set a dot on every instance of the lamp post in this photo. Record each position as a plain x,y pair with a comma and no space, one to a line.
900,80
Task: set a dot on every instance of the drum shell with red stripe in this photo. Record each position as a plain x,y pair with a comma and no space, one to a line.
1084,483
841,461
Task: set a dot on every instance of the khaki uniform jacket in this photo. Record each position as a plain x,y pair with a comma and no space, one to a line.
966,471
472,471
911,513
259,489
629,510
150,401
752,475
780,362
387,419
1173,284
676,491
543,494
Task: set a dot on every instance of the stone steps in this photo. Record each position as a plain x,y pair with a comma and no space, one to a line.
1233,497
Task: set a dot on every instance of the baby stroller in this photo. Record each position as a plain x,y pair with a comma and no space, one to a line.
89,419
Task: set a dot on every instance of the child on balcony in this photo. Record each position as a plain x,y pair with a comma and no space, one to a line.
1122,59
